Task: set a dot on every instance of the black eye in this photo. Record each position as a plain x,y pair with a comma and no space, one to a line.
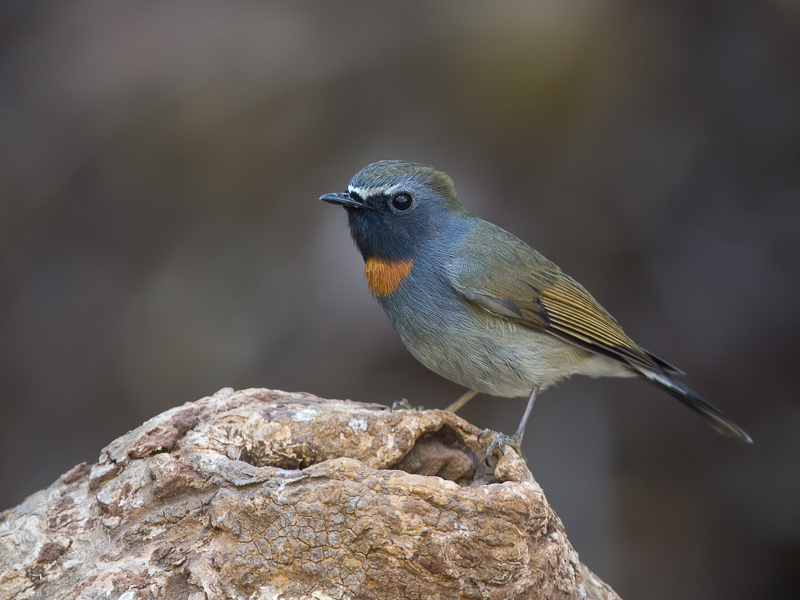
402,202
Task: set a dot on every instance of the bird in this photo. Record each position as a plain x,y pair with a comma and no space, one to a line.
479,306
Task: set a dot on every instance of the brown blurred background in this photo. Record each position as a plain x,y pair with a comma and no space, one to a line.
161,237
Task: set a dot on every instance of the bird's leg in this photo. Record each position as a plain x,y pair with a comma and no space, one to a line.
501,440
462,400
526,416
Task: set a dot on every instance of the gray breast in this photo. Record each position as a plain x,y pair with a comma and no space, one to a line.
467,345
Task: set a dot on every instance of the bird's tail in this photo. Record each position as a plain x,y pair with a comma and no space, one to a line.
715,417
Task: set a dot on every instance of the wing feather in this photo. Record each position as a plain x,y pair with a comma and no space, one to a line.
521,286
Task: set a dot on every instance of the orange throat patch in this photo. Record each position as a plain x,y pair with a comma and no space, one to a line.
385,276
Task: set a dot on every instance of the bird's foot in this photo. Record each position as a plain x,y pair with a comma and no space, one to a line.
499,443
403,404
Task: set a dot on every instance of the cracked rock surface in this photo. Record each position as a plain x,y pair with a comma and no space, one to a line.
265,494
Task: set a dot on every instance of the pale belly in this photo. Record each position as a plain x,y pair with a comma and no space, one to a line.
500,358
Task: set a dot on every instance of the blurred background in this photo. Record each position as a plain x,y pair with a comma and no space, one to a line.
161,237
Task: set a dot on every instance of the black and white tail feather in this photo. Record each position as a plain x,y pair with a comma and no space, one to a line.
709,412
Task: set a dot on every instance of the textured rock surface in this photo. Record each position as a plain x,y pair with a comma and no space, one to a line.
265,494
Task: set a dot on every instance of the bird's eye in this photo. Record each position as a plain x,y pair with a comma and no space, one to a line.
402,202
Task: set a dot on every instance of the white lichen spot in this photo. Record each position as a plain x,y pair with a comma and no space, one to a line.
357,425
305,415
582,591
267,592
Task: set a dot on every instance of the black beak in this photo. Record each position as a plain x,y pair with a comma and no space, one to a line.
344,199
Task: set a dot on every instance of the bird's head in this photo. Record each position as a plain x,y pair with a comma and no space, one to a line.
394,207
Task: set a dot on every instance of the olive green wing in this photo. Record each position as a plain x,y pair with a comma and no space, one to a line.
519,285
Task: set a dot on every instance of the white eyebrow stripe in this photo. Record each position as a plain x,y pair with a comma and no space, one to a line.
374,190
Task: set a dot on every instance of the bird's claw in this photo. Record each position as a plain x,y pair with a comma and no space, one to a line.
499,443
403,404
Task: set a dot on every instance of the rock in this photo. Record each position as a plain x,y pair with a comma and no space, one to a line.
265,494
